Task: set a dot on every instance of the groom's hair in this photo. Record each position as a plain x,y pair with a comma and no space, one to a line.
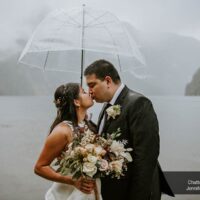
102,68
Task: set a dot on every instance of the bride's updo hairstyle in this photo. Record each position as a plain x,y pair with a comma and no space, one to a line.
64,97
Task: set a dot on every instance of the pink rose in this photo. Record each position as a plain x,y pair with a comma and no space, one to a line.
103,165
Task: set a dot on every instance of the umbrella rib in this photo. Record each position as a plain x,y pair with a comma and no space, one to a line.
70,24
72,20
99,24
46,59
113,40
77,23
59,28
138,53
95,19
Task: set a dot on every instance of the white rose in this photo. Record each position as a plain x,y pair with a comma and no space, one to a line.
116,165
83,151
89,147
92,158
103,165
80,150
83,143
77,150
99,151
110,112
89,168
117,147
127,156
113,111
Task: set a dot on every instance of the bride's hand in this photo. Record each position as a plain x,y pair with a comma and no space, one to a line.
85,185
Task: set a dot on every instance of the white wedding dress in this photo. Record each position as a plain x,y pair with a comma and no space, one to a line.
61,191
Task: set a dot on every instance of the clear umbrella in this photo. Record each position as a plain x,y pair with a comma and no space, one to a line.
66,41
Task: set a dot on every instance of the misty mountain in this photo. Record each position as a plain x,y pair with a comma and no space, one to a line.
171,61
193,88
16,80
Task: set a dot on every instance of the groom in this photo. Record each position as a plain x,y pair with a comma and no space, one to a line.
144,179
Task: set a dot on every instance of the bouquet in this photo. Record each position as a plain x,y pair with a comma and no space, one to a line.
91,155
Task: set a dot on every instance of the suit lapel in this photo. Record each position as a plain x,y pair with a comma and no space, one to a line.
118,101
121,96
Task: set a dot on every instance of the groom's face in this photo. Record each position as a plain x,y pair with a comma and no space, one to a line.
97,88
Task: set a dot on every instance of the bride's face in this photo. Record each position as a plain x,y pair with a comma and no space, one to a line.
84,100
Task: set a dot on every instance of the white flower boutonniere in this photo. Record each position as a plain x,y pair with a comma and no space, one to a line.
113,111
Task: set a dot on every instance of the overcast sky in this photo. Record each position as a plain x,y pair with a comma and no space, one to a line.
19,18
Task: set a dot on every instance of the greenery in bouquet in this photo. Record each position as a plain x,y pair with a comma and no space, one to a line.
91,155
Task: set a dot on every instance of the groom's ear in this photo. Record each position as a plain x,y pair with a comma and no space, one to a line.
108,80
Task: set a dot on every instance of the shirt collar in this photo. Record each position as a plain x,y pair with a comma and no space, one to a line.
117,93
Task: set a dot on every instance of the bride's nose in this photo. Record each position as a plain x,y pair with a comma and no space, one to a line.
90,91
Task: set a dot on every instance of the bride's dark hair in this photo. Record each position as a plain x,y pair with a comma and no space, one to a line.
64,97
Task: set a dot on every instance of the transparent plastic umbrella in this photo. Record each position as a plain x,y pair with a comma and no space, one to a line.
67,41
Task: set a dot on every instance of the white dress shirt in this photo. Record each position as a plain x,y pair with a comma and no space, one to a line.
112,102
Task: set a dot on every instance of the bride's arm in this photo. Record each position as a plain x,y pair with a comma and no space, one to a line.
54,145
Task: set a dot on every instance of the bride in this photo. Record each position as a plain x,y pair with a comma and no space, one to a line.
72,103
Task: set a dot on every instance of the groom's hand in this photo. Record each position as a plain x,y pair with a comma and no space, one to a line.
85,185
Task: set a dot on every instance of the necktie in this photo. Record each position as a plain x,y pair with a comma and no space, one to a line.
104,118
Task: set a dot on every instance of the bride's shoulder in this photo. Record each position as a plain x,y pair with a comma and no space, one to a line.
64,128
68,124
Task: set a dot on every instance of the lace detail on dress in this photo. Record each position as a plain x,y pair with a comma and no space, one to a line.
70,124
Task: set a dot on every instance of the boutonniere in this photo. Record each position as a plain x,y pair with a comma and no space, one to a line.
113,111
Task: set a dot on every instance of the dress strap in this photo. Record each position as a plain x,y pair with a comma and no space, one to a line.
70,124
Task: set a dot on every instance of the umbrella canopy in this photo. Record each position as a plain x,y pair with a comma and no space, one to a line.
63,39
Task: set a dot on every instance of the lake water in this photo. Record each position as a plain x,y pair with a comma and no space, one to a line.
25,121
